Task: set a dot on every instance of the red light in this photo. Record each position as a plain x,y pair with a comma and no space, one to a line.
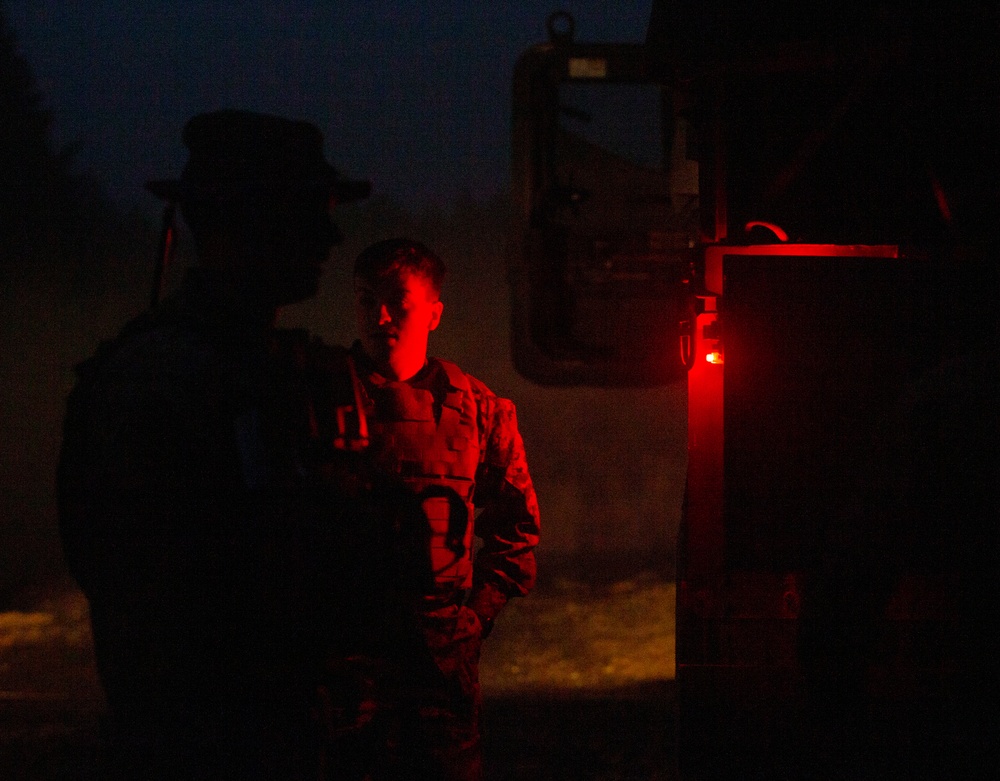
714,357
779,234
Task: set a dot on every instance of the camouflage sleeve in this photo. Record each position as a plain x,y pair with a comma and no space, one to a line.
509,522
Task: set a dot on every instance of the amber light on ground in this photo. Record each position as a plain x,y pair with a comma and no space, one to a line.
569,637
583,638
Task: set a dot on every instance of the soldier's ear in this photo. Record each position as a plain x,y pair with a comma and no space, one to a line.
436,311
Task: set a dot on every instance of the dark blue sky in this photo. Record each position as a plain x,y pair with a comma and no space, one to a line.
412,95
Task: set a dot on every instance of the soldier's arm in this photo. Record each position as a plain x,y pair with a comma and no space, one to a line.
118,487
509,522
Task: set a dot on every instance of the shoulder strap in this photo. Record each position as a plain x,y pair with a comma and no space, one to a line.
339,398
458,407
458,382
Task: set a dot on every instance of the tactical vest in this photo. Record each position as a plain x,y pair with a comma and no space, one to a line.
432,445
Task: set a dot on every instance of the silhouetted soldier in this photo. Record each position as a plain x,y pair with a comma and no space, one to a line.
403,687
188,490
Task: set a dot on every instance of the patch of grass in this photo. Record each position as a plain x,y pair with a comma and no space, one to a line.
570,637
48,651
581,638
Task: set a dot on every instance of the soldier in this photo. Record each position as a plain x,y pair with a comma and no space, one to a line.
184,478
403,695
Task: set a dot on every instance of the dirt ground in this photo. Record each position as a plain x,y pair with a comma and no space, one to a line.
577,681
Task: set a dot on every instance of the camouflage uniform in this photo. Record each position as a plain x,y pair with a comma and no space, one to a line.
207,519
403,700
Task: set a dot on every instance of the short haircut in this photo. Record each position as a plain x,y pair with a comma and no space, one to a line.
393,256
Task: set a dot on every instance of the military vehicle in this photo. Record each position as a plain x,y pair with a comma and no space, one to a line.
771,200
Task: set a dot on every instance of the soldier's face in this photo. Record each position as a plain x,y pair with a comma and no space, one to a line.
395,317
294,241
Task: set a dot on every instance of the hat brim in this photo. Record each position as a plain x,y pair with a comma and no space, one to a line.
344,190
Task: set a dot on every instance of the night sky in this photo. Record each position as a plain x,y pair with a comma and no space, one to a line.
413,96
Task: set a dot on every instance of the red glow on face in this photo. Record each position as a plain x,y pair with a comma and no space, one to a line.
395,316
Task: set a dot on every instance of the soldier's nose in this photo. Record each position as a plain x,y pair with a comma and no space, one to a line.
383,315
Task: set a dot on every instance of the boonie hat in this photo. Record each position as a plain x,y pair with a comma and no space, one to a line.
233,152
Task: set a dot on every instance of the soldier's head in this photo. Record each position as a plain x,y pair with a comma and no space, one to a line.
397,301
257,194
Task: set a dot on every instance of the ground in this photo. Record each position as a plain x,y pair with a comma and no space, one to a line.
577,681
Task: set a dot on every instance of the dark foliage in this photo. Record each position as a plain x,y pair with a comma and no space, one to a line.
26,162
72,266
